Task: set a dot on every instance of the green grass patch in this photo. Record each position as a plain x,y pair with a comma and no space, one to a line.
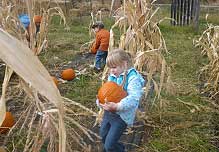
182,127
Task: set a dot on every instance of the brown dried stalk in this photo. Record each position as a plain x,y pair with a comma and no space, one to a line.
143,39
209,74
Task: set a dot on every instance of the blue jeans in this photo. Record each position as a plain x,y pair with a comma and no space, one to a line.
111,129
100,59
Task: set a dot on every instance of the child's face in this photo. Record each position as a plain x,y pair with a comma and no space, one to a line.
117,70
96,29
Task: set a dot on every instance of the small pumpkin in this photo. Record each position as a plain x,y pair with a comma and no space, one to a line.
68,74
55,80
112,92
7,123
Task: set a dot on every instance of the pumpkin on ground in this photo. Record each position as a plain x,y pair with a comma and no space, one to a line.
55,80
7,123
111,92
68,74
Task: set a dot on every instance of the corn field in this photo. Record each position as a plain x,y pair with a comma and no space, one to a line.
47,120
43,119
209,74
141,36
47,116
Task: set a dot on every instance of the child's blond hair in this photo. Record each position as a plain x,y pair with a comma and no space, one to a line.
117,57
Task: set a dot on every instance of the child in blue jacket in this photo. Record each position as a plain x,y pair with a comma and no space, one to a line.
117,116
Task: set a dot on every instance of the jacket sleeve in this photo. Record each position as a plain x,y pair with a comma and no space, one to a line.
97,41
135,91
93,48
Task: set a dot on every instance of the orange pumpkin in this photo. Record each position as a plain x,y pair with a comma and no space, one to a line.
112,92
68,74
55,81
7,123
37,19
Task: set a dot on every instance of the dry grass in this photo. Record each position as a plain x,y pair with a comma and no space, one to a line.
37,82
209,74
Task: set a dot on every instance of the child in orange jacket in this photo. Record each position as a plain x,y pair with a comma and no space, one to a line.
101,45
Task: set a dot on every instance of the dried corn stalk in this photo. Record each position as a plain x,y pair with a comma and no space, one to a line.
41,39
209,74
10,22
88,45
143,39
19,58
8,73
43,122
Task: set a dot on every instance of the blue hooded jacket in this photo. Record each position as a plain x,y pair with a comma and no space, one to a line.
134,86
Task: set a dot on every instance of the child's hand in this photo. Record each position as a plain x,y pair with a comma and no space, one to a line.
110,106
97,102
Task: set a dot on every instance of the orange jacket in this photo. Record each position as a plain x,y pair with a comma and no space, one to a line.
102,41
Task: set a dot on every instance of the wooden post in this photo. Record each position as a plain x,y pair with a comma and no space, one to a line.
196,16
66,9
173,12
188,12
91,6
192,9
181,13
177,12
184,12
